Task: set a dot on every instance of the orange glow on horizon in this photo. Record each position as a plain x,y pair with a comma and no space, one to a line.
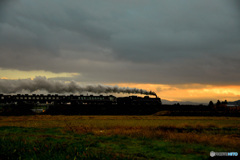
190,92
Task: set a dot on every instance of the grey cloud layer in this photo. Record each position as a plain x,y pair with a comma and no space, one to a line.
185,41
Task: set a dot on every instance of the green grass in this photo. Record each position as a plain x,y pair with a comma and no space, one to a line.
34,143
116,137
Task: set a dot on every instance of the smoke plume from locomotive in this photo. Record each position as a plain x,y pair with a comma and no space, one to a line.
51,86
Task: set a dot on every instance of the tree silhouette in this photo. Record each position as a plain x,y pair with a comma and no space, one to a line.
210,104
225,102
218,103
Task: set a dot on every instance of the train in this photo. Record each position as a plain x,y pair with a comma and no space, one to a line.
77,99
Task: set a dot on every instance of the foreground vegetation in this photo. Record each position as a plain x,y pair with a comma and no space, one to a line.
116,137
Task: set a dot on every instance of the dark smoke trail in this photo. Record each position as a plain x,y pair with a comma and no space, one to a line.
51,86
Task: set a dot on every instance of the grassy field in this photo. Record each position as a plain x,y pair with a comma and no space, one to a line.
116,137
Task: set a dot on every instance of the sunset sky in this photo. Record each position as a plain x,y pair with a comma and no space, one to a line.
184,50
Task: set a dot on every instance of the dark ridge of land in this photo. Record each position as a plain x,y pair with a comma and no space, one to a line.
159,110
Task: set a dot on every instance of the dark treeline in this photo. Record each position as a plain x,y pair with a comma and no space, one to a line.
160,110
102,109
198,110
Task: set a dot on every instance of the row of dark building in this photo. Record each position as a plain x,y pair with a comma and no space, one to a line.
77,99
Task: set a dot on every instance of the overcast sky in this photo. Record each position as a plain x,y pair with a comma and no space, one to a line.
138,41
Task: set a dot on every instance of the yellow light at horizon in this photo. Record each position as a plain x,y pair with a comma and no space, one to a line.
17,74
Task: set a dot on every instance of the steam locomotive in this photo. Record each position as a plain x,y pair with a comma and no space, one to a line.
77,99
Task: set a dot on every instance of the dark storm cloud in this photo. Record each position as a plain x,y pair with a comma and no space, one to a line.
3,5
187,41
